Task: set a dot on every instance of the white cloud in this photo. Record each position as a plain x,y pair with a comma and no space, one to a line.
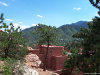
40,16
77,8
21,26
34,24
9,20
89,20
4,4
24,27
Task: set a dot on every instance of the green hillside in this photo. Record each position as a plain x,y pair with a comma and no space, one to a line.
65,31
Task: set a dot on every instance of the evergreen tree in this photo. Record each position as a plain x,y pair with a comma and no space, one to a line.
47,35
71,62
90,61
12,44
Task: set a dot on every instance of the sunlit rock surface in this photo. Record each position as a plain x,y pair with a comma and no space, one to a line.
32,60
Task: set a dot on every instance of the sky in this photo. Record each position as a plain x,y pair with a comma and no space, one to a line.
28,13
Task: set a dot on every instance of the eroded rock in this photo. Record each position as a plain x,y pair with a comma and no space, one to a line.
32,60
30,71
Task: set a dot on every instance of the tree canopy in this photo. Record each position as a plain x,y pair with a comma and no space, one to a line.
90,61
12,44
47,35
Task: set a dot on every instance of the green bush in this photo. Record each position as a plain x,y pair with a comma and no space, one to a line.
8,66
12,67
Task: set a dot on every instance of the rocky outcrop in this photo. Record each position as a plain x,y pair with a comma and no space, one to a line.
30,71
32,60
24,70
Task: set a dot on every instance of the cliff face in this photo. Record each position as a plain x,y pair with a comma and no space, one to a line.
29,71
33,63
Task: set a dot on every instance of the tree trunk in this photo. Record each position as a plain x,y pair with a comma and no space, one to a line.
46,56
6,53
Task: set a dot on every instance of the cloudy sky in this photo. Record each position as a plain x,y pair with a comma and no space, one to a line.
27,13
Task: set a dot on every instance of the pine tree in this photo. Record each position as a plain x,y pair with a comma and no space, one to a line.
90,61
12,44
71,62
47,35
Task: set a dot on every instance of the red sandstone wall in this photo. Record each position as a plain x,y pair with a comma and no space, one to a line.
56,51
43,50
41,57
58,62
55,60
53,51
35,51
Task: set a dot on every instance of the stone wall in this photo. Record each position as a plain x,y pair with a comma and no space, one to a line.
55,59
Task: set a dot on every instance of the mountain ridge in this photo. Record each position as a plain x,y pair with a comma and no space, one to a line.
66,31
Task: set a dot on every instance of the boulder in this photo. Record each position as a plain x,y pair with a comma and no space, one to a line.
30,71
32,57
33,60
24,70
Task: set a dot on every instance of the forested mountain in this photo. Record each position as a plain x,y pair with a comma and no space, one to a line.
65,31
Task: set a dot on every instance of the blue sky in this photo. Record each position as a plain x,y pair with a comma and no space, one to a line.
27,13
